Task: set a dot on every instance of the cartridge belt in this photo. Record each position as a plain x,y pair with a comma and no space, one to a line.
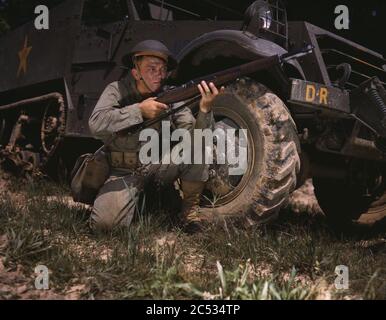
124,160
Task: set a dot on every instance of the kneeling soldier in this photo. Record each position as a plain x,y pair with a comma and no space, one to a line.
117,199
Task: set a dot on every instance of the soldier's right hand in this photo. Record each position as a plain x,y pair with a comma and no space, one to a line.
151,108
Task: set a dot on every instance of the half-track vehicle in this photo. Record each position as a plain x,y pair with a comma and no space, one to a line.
321,116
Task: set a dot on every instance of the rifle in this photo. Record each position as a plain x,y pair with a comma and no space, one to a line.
190,92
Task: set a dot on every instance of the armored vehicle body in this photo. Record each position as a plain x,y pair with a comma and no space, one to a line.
321,116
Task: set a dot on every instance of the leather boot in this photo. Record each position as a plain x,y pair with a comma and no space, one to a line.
192,191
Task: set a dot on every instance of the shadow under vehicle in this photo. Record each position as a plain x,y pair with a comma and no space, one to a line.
321,116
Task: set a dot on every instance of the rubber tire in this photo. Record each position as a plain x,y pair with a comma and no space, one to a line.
274,168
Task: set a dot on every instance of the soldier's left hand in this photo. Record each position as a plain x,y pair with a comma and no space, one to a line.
208,94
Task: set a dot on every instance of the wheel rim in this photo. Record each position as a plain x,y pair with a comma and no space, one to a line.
227,118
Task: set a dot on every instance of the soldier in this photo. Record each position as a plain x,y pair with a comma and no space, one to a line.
116,201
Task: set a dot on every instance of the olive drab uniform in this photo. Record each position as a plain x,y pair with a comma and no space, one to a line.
118,198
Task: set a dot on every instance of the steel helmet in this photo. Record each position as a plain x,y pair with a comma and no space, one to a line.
150,48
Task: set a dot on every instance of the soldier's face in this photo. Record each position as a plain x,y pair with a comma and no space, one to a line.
153,70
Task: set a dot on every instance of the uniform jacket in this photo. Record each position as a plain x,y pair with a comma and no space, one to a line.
118,108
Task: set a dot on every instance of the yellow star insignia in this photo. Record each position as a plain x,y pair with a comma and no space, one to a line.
23,55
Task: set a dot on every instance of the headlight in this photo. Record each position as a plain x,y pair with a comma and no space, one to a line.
265,18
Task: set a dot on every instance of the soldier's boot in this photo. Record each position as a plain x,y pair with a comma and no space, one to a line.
191,220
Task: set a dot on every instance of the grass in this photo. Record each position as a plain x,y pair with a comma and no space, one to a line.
294,258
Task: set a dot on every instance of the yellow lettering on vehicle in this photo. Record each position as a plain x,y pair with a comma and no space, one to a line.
314,94
323,93
310,93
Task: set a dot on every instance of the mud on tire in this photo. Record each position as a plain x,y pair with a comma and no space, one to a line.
273,152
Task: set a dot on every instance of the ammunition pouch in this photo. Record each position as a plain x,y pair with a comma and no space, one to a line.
88,175
124,160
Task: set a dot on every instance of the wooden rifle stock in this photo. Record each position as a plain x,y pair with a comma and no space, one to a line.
190,90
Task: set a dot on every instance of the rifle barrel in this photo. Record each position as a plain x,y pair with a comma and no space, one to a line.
190,89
